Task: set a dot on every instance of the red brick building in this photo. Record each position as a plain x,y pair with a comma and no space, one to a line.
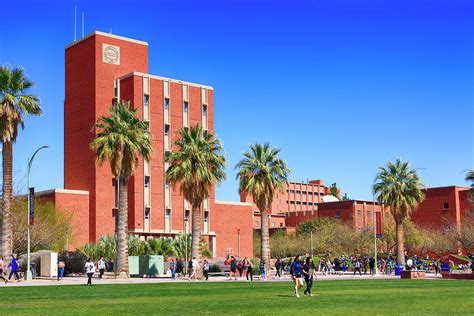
102,68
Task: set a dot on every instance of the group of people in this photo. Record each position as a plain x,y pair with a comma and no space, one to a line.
303,271
14,269
177,267
91,268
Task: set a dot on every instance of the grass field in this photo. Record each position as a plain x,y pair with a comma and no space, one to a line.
368,297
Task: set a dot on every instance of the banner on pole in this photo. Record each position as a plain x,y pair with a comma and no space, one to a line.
32,206
378,224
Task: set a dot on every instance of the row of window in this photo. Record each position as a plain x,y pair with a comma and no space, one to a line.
303,192
299,203
257,223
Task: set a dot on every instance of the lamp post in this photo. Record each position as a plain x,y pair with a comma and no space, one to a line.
375,240
28,255
238,243
186,244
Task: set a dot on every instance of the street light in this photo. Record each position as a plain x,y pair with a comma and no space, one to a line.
28,259
238,243
375,240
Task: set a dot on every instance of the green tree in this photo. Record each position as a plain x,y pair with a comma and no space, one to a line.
399,187
120,139
335,191
15,102
197,164
261,173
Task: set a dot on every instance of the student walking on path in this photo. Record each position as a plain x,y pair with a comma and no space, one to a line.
297,273
263,270
233,268
357,266
249,269
205,269
101,267
90,270
173,269
14,268
61,266
308,271
278,266
2,268
194,267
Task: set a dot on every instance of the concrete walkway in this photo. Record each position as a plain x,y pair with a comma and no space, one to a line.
111,280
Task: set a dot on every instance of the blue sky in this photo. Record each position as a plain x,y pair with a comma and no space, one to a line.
341,87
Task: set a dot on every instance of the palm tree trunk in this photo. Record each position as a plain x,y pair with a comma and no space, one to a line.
122,230
400,244
6,226
265,238
196,227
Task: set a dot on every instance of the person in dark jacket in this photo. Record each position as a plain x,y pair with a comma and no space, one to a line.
14,268
297,273
308,272
278,266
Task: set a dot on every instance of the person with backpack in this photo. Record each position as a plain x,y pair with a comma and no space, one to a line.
173,269
101,267
14,268
233,267
263,270
297,273
205,269
357,266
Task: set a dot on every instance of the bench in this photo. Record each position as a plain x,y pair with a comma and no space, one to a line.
412,274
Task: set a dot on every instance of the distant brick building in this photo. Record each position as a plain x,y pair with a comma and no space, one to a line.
102,68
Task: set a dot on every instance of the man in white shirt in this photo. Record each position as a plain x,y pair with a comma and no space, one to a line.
101,267
409,263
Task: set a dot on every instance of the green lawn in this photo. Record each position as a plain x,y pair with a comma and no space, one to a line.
368,297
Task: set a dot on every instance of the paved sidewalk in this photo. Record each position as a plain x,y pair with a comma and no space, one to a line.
110,280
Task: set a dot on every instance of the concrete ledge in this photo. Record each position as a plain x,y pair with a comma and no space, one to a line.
457,276
412,274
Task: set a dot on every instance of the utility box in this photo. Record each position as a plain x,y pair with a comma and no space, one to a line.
49,264
146,265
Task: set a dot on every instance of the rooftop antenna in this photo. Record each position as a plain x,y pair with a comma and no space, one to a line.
82,24
75,22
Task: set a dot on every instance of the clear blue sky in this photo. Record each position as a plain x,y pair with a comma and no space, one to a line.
340,86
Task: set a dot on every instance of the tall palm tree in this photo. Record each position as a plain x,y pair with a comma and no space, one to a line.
399,187
470,177
120,139
15,102
197,164
262,173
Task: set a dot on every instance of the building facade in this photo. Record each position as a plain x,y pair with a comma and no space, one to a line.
101,69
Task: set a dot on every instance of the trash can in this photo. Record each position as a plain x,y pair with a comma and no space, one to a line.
398,268
33,269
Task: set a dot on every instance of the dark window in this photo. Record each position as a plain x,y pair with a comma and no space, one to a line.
167,213
146,100
281,224
298,192
298,202
167,104
206,216
292,191
147,181
186,215
204,109
147,212
167,130
338,214
445,206
292,202
185,107
304,203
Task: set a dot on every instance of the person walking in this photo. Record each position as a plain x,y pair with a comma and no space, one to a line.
101,266
436,266
14,266
372,266
90,270
173,269
190,267
357,266
240,268
194,268
61,266
179,266
233,268
278,267
297,273
308,272
263,270
205,269
249,269
2,268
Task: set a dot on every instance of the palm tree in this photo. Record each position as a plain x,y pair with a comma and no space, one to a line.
120,139
400,188
262,173
15,102
197,164
470,177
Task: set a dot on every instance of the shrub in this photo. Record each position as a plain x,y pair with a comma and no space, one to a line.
215,268
74,261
